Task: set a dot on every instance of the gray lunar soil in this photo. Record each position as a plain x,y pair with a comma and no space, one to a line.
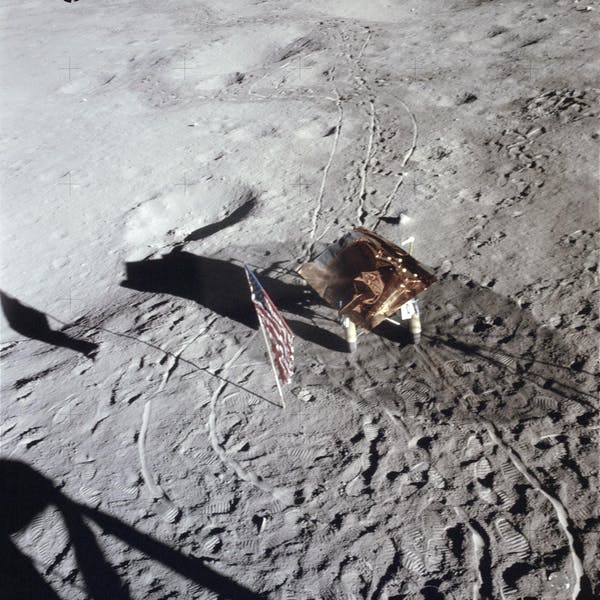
148,150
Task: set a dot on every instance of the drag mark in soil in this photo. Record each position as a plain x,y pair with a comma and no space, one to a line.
561,512
479,551
212,429
405,160
399,424
318,208
363,48
154,489
361,214
175,357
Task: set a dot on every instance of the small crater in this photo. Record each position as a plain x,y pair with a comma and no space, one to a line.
466,98
496,31
481,325
304,45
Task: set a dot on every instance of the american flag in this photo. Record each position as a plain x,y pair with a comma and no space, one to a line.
277,332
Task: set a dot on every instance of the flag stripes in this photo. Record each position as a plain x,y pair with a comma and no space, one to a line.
279,336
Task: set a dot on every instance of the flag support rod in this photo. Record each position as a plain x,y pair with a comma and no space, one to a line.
273,365
411,241
414,325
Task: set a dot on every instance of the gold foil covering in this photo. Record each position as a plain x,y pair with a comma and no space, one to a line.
366,277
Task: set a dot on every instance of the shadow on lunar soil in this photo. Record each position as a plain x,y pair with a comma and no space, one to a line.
239,214
27,493
33,324
222,287
513,351
514,368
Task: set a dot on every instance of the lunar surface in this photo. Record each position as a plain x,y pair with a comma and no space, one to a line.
148,151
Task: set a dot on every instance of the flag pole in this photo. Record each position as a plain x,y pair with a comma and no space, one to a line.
272,364
411,242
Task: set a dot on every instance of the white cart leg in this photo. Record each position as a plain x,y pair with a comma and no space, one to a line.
414,326
350,329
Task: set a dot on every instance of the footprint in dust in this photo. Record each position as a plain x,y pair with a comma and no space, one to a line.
167,510
515,551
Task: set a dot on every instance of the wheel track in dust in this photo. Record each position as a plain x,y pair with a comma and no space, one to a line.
561,512
414,559
479,549
404,162
361,213
319,207
495,435
227,460
169,511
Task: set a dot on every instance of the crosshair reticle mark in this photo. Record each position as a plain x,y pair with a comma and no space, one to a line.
69,68
68,181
